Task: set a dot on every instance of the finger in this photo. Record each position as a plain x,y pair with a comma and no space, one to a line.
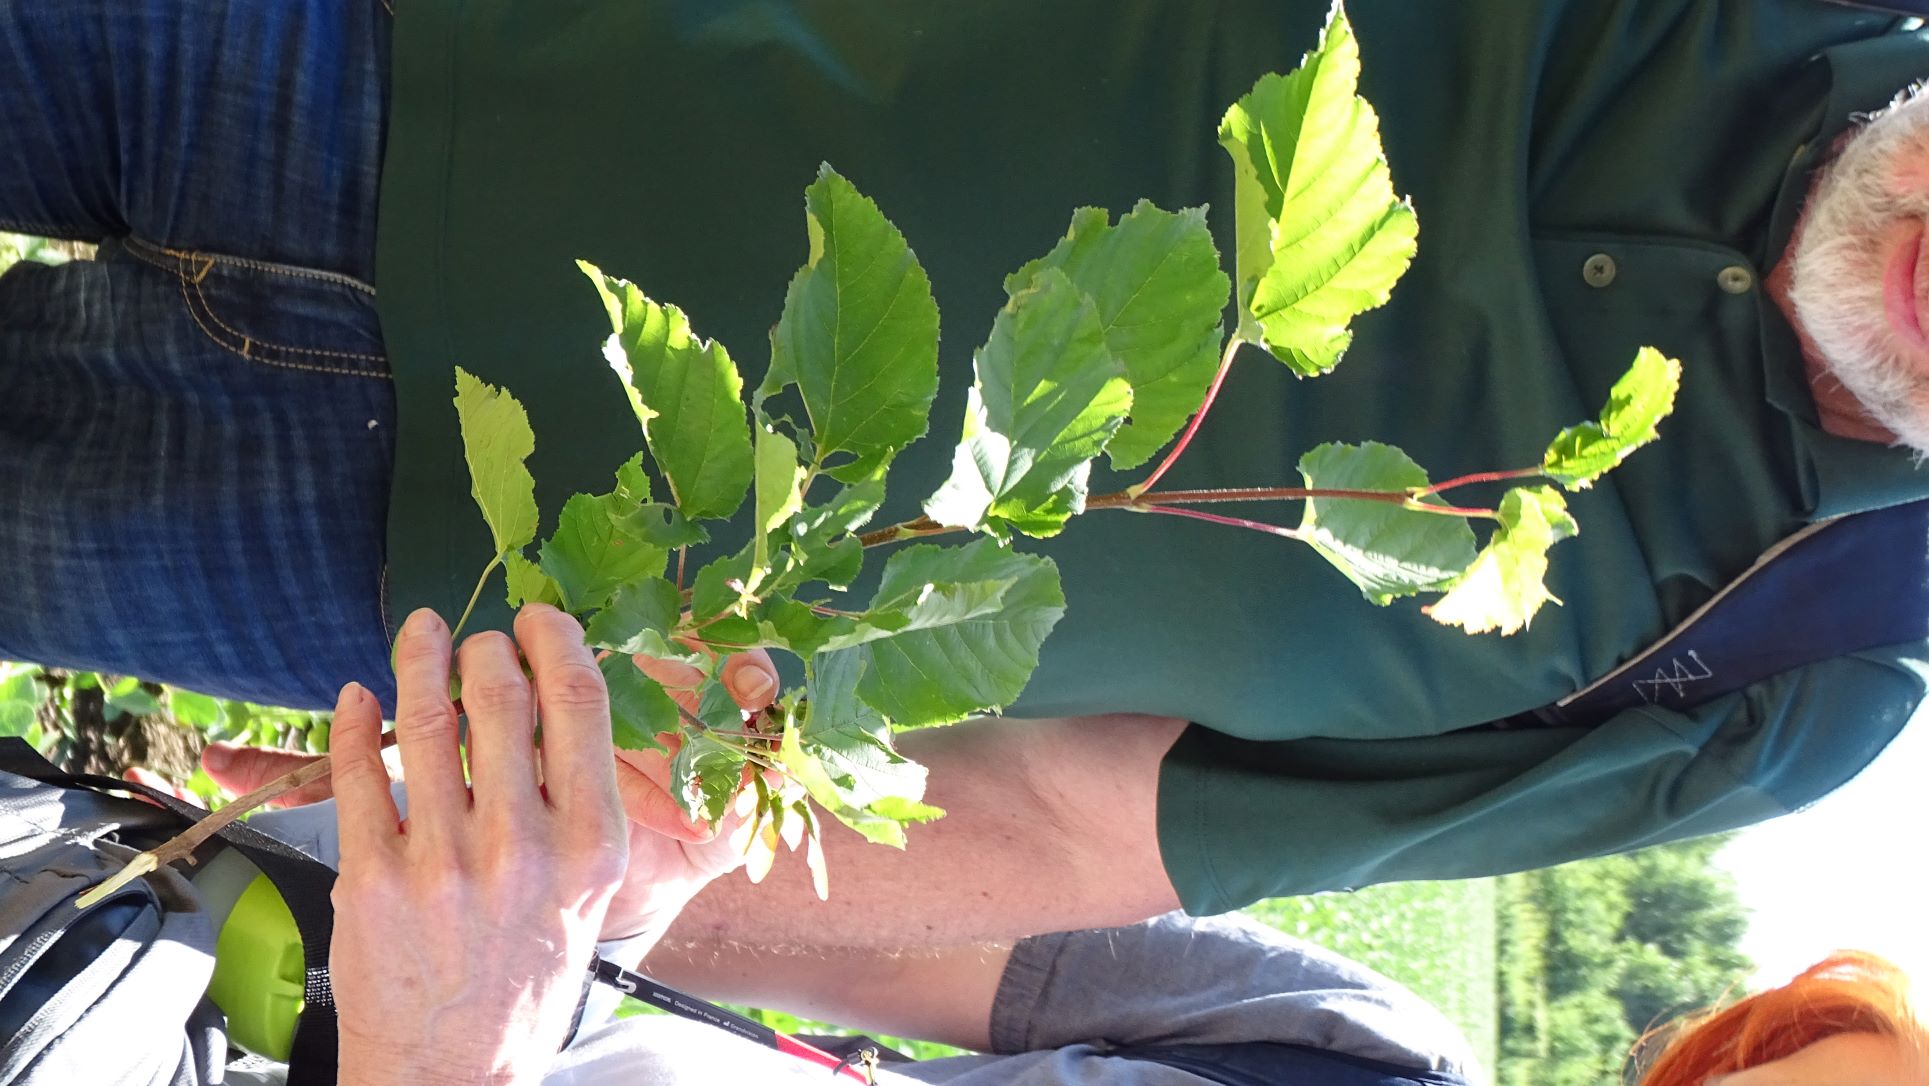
502,724
673,674
751,678
242,769
643,781
425,725
159,783
364,812
574,706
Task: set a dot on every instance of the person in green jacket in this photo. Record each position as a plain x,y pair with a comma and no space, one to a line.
232,448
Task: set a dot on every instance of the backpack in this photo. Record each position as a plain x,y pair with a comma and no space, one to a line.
117,994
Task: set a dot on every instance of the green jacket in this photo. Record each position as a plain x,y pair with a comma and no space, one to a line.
669,143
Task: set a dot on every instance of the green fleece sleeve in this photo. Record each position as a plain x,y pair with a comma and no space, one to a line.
1242,820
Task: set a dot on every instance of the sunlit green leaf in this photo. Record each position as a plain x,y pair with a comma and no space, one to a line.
686,393
1155,280
704,776
858,335
778,495
946,672
843,754
639,707
1386,549
639,617
1048,396
496,439
1504,587
1636,405
593,551
1321,236
529,584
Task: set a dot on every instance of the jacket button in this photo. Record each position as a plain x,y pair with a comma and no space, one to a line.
1599,270
1736,279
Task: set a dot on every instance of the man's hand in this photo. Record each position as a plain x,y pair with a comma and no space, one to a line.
671,856
461,937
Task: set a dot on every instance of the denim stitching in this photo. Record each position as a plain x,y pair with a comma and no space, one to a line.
248,339
173,266
209,261
248,343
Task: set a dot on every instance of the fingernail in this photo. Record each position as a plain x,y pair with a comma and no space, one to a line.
751,684
351,696
423,621
537,606
217,757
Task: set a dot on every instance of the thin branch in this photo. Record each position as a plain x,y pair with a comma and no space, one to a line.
182,845
1478,477
1214,518
456,631
1212,393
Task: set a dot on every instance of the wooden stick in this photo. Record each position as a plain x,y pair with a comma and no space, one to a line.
182,846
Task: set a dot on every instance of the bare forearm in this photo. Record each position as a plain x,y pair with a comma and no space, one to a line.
1051,826
942,995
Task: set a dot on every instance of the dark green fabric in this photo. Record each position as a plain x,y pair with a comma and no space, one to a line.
670,142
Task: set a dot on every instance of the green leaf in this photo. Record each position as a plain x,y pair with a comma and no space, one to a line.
594,550
1387,550
1321,236
1636,405
663,526
17,718
639,707
940,673
1048,397
496,439
687,394
1503,588
718,587
779,495
194,710
821,546
843,755
1156,282
639,617
529,584
704,777
859,333
131,700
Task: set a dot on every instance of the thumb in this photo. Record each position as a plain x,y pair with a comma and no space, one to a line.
242,769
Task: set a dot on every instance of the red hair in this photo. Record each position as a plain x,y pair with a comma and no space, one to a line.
1851,992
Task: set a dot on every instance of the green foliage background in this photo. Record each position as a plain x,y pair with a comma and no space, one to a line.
1551,974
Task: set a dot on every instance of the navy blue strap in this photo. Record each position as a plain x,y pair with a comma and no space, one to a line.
1267,1064
1841,586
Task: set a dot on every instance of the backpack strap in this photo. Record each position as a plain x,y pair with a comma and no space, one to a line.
303,882
1271,1063
1892,7
1836,587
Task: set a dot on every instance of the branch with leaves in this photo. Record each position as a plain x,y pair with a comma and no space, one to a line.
1110,344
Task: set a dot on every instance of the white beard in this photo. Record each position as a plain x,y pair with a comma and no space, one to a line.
1838,270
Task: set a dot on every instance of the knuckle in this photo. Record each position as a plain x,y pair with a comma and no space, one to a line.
434,720
575,684
495,694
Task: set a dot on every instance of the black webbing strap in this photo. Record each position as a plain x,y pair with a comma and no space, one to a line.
1840,586
303,882
1269,1063
1892,7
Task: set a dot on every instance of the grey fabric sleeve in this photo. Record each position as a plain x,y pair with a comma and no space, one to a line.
1177,980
